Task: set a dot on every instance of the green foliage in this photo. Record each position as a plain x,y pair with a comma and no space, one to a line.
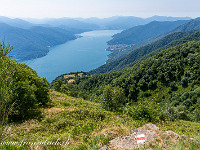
146,111
58,85
158,79
35,39
31,92
147,51
6,81
113,98
61,84
144,32
185,106
83,123
22,92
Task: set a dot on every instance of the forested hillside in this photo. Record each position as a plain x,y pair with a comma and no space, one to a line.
189,26
16,22
144,32
166,42
160,84
165,85
34,42
126,35
37,38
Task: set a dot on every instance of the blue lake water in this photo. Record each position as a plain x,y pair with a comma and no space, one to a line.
83,54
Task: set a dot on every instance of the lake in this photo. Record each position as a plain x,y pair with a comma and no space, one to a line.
83,54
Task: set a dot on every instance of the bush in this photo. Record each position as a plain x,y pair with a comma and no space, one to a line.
196,114
31,92
145,111
58,85
22,92
184,82
6,81
179,112
113,98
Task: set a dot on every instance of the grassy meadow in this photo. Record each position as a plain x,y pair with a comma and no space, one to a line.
73,123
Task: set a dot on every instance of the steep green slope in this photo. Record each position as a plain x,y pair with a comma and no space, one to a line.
161,89
78,124
189,26
34,42
158,80
144,32
166,42
119,53
72,122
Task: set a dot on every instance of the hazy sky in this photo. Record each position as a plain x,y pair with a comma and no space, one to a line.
98,8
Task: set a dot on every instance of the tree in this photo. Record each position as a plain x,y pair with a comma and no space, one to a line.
6,81
107,98
31,92
113,98
22,91
58,85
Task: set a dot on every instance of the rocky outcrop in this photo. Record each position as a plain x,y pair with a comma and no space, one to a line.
151,132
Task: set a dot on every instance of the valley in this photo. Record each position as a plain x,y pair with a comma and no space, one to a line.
82,54
97,83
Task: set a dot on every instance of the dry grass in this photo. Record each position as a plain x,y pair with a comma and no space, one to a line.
80,74
79,120
69,76
71,81
86,124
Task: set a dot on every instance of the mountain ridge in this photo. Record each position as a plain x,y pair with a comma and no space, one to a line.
33,42
140,52
144,32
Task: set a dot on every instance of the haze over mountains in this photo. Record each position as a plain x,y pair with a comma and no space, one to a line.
143,32
152,75
35,41
163,70
32,38
182,34
112,23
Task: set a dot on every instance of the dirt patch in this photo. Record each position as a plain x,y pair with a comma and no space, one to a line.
69,76
71,81
54,110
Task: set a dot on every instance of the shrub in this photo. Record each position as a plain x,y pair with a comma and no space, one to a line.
6,81
145,111
31,92
113,98
58,85
21,90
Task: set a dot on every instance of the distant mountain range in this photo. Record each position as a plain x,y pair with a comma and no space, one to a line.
144,32
112,23
191,25
187,32
16,22
33,42
126,22
32,38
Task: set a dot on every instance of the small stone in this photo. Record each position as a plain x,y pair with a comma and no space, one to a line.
172,133
152,126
